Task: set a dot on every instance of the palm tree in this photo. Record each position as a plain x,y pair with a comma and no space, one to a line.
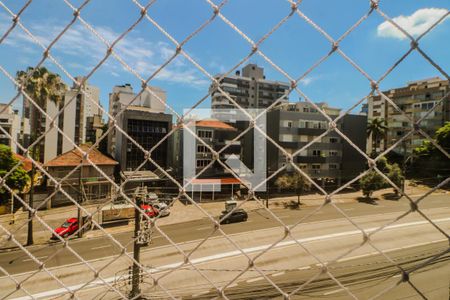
377,129
41,85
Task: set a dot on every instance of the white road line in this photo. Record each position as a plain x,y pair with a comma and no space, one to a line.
39,258
199,294
358,256
55,292
305,268
205,227
101,247
348,209
278,274
232,285
255,279
333,292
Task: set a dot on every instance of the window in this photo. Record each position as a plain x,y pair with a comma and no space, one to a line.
333,166
205,134
202,149
301,124
333,140
286,138
333,153
315,166
317,153
201,163
305,109
302,166
304,138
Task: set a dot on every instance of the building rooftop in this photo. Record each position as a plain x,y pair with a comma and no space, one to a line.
26,162
212,123
73,158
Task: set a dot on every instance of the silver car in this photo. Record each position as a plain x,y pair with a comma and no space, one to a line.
163,209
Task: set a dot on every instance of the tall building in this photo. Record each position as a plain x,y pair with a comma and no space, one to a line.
10,122
145,122
415,99
78,111
250,89
330,159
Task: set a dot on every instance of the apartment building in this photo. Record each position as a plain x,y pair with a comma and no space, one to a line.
144,121
250,89
415,99
9,122
216,135
330,159
79,109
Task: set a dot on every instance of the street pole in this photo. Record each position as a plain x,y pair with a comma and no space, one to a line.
30,204
80,200
135,276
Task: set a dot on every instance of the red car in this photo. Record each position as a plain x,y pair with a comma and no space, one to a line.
69,227
149,210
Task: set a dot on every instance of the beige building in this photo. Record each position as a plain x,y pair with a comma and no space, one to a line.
9,122
415,99
79,118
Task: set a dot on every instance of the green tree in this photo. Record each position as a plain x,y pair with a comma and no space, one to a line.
395,174
371,182
41,86
295,181
376,128
442,137
17,180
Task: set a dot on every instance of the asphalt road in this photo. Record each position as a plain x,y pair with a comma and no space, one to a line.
363,277
54,254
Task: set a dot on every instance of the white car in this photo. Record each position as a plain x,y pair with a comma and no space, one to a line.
163,209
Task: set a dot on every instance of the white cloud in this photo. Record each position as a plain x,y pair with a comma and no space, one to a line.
308,80
80,49
414,24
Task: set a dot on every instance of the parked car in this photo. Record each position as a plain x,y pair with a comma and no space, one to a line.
150,210
239,215
163,209
69,227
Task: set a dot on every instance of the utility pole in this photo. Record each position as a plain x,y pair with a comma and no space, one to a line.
135,272
80,200
30,203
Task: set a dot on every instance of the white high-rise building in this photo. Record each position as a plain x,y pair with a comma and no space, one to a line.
80,110
10,122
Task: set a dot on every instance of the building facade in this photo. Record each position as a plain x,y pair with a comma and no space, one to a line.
10,122
144,120
415,99
329,159
79,109
250,89
87,179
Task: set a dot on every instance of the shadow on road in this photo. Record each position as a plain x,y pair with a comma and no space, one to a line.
368,200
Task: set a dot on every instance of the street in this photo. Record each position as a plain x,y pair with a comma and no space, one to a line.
219,257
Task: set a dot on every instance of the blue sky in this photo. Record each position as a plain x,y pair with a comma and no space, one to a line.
295,46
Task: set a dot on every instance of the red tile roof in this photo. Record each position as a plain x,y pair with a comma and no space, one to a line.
73,158
27,164
214,124
223,181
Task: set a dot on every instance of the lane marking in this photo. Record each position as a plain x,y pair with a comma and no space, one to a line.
305,268
55,292
101,247
255,279
38,258
333,292
232,285
278,274
349,209
203,228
